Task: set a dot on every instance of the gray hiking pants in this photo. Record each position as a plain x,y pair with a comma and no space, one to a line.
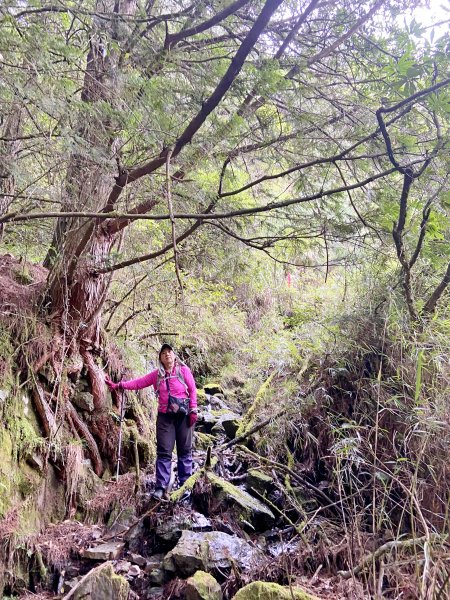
171,429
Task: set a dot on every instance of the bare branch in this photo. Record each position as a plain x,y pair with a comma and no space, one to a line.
432,301
174,38
397,234
172,221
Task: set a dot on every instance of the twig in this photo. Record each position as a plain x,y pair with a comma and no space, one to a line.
294,476
172,218
387,547
252,430
298,528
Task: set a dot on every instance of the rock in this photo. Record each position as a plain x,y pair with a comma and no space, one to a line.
35,461
137,559
213,388
230,422
108,551
203,586
69,584
89,484
96,534
209,551
84,401
170,531
154,569
263,590
3,395
260,482
122,566
201,397
134,571
156,576
207,420
133,535
218,402
203,440
154,593
154,562
101,583
250,508
217,429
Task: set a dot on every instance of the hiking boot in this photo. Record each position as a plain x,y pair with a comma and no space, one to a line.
159,493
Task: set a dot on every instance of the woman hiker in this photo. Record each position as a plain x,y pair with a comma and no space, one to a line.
177,414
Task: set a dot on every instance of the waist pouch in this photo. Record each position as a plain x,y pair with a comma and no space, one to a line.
178,406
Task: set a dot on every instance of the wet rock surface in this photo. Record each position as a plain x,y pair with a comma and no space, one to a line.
210,551
101,583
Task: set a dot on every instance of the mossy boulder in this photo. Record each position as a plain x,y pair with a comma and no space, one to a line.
203,586
259,481
203,440
84,401
102,584
213,388
227,422
249,508
201,397
263,590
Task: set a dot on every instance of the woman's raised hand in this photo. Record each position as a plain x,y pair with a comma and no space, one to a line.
112,385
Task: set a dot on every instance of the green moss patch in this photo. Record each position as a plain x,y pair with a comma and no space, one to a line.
263,590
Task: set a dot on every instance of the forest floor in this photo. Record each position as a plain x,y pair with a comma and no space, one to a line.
145,530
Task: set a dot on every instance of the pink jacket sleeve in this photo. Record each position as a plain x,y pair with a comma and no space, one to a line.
189,379
141,382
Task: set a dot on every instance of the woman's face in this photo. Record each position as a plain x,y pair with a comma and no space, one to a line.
167,358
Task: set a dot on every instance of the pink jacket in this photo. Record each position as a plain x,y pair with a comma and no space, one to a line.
177,389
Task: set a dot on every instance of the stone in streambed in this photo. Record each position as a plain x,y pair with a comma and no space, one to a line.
108,551
203,586
208,552
250,508
102,584
263,590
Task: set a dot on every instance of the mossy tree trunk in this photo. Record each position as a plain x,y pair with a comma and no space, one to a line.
76,292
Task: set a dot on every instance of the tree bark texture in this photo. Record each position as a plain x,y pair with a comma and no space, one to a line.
75,293
9,147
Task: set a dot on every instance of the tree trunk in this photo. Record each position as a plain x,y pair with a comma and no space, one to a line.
75,293
9,147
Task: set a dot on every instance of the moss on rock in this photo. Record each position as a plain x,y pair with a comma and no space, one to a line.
102,584
203,440
203,586
263,590
250,508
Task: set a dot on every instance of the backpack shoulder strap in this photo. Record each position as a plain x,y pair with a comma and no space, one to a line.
180,377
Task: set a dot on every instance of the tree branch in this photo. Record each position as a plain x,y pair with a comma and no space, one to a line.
174,38
397,234
207,107
440,289
384,549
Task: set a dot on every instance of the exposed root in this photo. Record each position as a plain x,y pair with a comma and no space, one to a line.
84,432
44,411
73,461
97,380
